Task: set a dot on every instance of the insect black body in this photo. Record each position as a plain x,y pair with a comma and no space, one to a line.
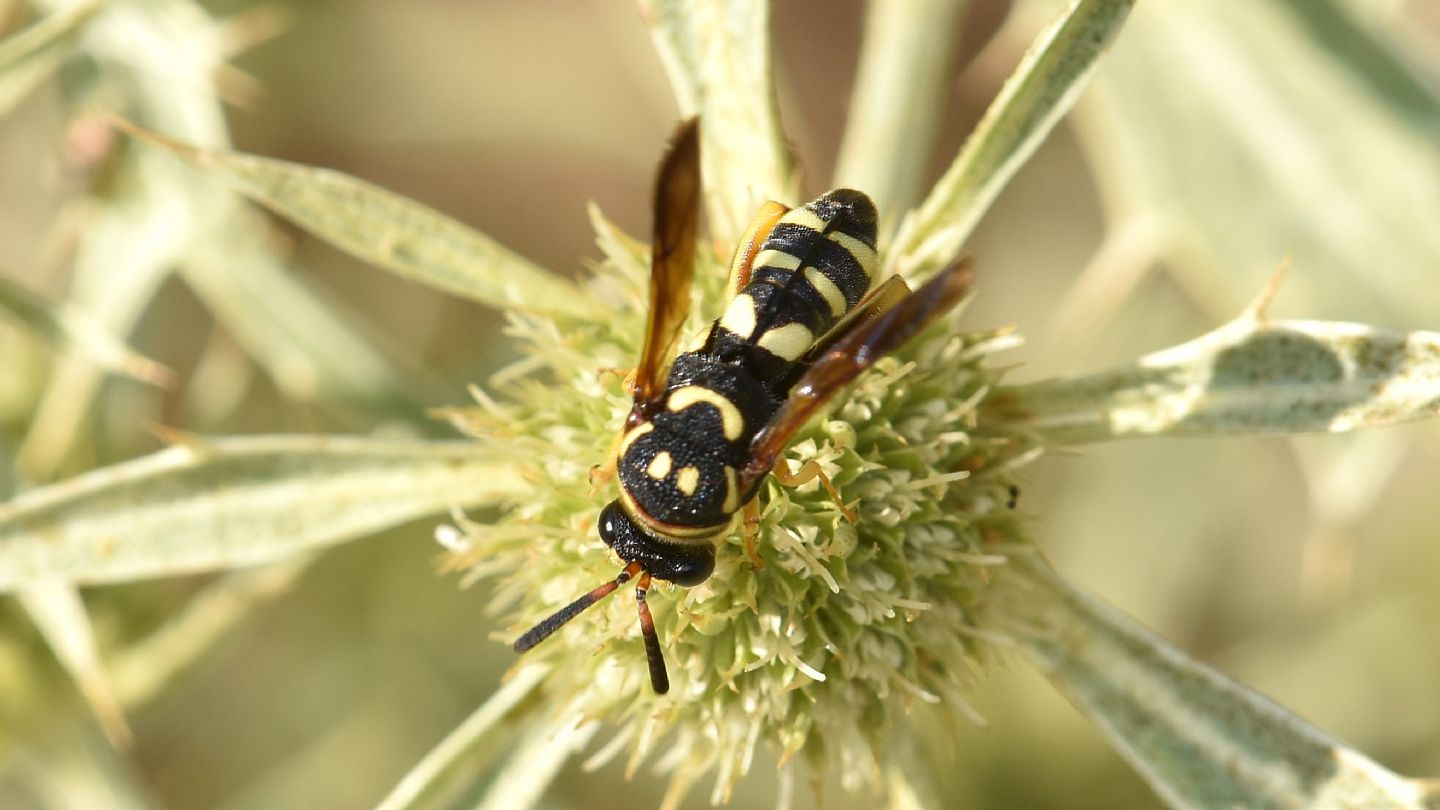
805,317
679,462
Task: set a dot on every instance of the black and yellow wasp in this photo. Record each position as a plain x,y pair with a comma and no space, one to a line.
802,322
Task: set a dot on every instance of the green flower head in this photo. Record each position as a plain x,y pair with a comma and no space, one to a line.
844,626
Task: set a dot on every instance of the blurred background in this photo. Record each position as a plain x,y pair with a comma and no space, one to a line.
1217,139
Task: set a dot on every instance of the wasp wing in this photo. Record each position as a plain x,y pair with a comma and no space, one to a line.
883,331
891,291
755,236
672,256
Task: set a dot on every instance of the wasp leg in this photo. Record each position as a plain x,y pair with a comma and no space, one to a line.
602,474
750,527
627,376
809,471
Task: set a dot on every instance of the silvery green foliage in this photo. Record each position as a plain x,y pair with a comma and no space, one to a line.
821,652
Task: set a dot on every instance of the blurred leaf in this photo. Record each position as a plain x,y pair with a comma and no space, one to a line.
57,610
1248,376
900,93
535,760
218,385
1256,130
73,766
210,504
143,669
388,230
454,764
127,246
1198,738
629,254
1345,482
66,326
157,61
717,54
1042,89
30,56
306,344
908,783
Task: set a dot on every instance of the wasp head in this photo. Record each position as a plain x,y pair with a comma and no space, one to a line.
683,563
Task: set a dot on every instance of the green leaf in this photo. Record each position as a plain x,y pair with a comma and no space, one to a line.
535,762
717,54
158,61
307,345
1249,376
1198,738
27,58
900,92
388,230
71,766
209,504
59,613
1219,120
67,327
454,764
137,232
142,670
1042,89
909,784
631,256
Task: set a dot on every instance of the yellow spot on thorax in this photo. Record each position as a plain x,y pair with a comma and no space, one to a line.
687,480
732,423
659,466
732,491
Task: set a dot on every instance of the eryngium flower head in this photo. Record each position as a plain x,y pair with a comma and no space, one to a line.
845,626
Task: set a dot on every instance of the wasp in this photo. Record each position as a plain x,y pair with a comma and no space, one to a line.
806,315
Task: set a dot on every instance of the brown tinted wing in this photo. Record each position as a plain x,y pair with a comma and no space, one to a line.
672,256
755,236
849,355
891,291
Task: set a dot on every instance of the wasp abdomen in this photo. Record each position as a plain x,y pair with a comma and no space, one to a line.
816,264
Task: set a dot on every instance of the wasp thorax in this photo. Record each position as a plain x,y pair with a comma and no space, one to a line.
685,564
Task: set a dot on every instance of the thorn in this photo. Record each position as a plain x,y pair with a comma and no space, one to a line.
174,437
1258,308
188,152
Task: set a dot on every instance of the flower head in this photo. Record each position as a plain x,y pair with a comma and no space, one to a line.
842,628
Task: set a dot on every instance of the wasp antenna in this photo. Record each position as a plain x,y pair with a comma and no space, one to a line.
556,620
659,680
